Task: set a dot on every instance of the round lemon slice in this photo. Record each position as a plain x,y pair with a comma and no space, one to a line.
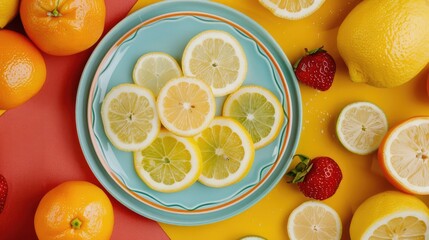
128,113
292,9
404,155
227,150
314,220
170,164
390,215
154,69
186,106
217,58
361,126
258,110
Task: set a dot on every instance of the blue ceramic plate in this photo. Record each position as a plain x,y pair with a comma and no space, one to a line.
167,27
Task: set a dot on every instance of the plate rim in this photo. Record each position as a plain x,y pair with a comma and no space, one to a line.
98,56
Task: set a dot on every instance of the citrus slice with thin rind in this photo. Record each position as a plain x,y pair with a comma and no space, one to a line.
258,110
227,150
390,215
154,69
186,106
361,126
128,113
292,9
404,155
314,220
217,58
170,164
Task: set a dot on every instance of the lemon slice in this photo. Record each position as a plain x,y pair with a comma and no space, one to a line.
227,151
217,58
253,238
314,220
404,155
258,110
292,9
361,126
186,106
153,70
170,164
128,113
390,215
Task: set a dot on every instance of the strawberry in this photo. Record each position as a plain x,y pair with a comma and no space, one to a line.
3,192
316,69
316,178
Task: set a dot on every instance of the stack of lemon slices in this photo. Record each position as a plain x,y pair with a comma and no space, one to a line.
167,117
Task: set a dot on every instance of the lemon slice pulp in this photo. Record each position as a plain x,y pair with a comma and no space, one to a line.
227,150
154,69
314,220
186,106
170,164
128,113
390,215
217,58
258,110
361,126
292,9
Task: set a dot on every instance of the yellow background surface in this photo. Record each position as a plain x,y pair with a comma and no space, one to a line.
361,175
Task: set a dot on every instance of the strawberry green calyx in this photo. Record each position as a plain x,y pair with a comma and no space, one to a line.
311,52
301,169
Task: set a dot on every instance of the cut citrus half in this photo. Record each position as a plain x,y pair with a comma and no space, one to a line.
227,150
154,69
361,126
390,215
404,155
128,113
314,220
253,238
186,106
170,164
217,58
258,110
292,9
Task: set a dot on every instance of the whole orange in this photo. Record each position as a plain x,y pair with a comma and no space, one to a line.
74,210
22,69
63,27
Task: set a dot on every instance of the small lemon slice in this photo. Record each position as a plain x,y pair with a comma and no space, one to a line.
390,215
258,110
227,151
404,155
292,9
128,113
314,220
361,126
154,69
253,238
217,58
170,164
186,106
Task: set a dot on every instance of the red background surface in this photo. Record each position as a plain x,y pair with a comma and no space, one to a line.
39,147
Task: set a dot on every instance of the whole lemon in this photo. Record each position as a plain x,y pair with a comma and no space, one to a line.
390,215
385,43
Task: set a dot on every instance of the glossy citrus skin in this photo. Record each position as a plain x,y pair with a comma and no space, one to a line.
61,27
385,43
74,203
22,69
